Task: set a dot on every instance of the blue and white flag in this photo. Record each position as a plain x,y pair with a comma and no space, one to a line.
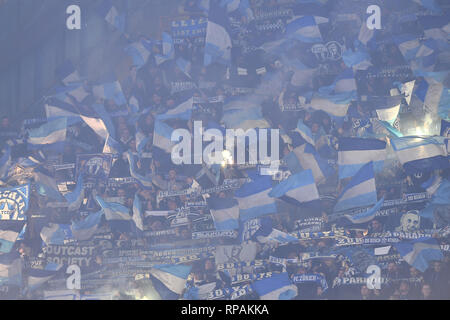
49,134
9,233
306,157
225,213
11,269
84,230
110,13
170,280
56,234
305,28
304,131
354,153
97,125
114,211
105,117
143,181
344,83
254,200
14,202
110,91
243,6
421,153
5,162
112,146
361,191
267,234
277,287
182,112
200,292
298,188
138,218
184,66
162,136
434,95
245,119
440,197
218,42
168,49
139,52
388,108
411,48
46,185
68,73
55,109
366,216
419,252
75,198
38,277
336,105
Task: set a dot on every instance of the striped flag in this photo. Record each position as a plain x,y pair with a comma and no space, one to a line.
139,52
419,252
298,188
218,41
421,153
138,218
366,216
305,28
170,280
360,191
110,13
75,198
56,234
84,230
9,233
354,153
110,91
254,200
50,134
225,213
11,269
168,50
277,287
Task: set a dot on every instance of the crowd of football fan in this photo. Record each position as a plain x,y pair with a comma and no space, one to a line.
151,89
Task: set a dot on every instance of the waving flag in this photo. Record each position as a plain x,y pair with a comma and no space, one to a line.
110,91
277,287
114,211
387,108
112,146
170,280
298,188
49,134
5,162
162,136
97,125
110,13
38,277
254,200
68,73
419,252
55,109
76,197
305,132
84,230
245,119
306,157
140,52
14,210
336,105
305,28
143,181
360,191
9,233
182,112
168,50
46,184
266,233
421,153
218,41
225,213
184,66
11,269
366,216
354,153
56,234
138,218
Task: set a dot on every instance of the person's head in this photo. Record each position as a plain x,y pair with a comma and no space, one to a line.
376,226
5,122
414,272
209,265
315,127
426,290
156,98
437,266
172,204
404,288
392,267
365,292
172,174
121,192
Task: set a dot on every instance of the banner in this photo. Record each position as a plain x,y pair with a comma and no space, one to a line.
14,202
82,256
94,166
192,28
